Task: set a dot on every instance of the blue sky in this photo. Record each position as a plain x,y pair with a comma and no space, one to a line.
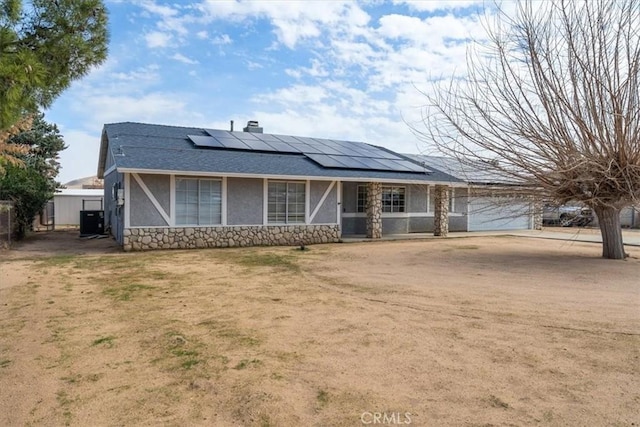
327,69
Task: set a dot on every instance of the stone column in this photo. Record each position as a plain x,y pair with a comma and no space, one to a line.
374,210
441,211
537,214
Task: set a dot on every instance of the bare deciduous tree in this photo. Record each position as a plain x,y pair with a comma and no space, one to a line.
552,100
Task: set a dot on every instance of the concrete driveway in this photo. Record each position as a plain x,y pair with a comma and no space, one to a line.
575,234
630,237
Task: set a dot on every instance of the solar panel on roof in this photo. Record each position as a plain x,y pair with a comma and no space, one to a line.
389,164
323,142
264,137
283,147
346,151
351,162
287,138
382,153
204,141
372,163
218,132
326,161
306,148
258,145
326,152
233,143
412,166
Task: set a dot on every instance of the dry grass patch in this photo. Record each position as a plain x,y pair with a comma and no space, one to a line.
474,332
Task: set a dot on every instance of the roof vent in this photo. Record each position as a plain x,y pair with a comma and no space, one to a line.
253,126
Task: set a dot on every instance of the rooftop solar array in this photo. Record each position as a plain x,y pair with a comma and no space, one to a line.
326,152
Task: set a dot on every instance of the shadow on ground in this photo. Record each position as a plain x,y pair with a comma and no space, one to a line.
64,242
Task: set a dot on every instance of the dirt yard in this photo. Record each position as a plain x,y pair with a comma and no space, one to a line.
469,331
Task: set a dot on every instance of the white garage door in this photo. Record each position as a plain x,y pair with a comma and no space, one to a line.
489,214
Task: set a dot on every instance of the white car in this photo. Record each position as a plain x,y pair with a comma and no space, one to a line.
566,215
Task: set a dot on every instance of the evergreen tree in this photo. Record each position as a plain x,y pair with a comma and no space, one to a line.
31,184
44,46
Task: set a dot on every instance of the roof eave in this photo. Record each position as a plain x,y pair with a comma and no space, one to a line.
102,159
292,177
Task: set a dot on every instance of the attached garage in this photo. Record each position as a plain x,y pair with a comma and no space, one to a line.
498,213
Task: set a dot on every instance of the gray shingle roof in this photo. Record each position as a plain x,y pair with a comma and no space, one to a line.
140,147
468,172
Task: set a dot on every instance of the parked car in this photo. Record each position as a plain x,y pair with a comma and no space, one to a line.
566,215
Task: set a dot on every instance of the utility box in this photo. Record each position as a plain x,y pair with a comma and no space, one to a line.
91,223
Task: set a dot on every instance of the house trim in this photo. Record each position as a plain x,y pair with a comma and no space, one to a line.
291,177
223,202
127,200
398,214
327,224
111,169
172,200
307,201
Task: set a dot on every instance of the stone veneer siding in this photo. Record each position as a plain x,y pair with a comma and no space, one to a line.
140,239
374,210
537,215
441,211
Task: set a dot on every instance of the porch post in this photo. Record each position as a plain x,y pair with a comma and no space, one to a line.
537,213
374,210
441,211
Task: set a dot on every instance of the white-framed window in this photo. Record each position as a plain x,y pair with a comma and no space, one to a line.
198,201
393,199
362,198
286,202
432,200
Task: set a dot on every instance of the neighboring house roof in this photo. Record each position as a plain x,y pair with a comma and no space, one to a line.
472,173
89,182
79,192
139,147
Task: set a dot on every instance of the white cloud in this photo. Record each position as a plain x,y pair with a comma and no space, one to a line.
254,65
297,95
334,71
435,5
162,10
157,39
297,21
185,60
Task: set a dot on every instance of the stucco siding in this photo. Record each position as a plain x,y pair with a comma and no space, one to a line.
327,211
417,198
143,212
395,225
354,226
458,223
244,201
160,187
423,224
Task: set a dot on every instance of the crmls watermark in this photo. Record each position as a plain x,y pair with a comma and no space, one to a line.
386,418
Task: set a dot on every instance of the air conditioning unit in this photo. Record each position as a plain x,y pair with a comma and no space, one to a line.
91,223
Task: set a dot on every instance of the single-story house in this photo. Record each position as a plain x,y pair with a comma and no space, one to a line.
492,200
180,187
